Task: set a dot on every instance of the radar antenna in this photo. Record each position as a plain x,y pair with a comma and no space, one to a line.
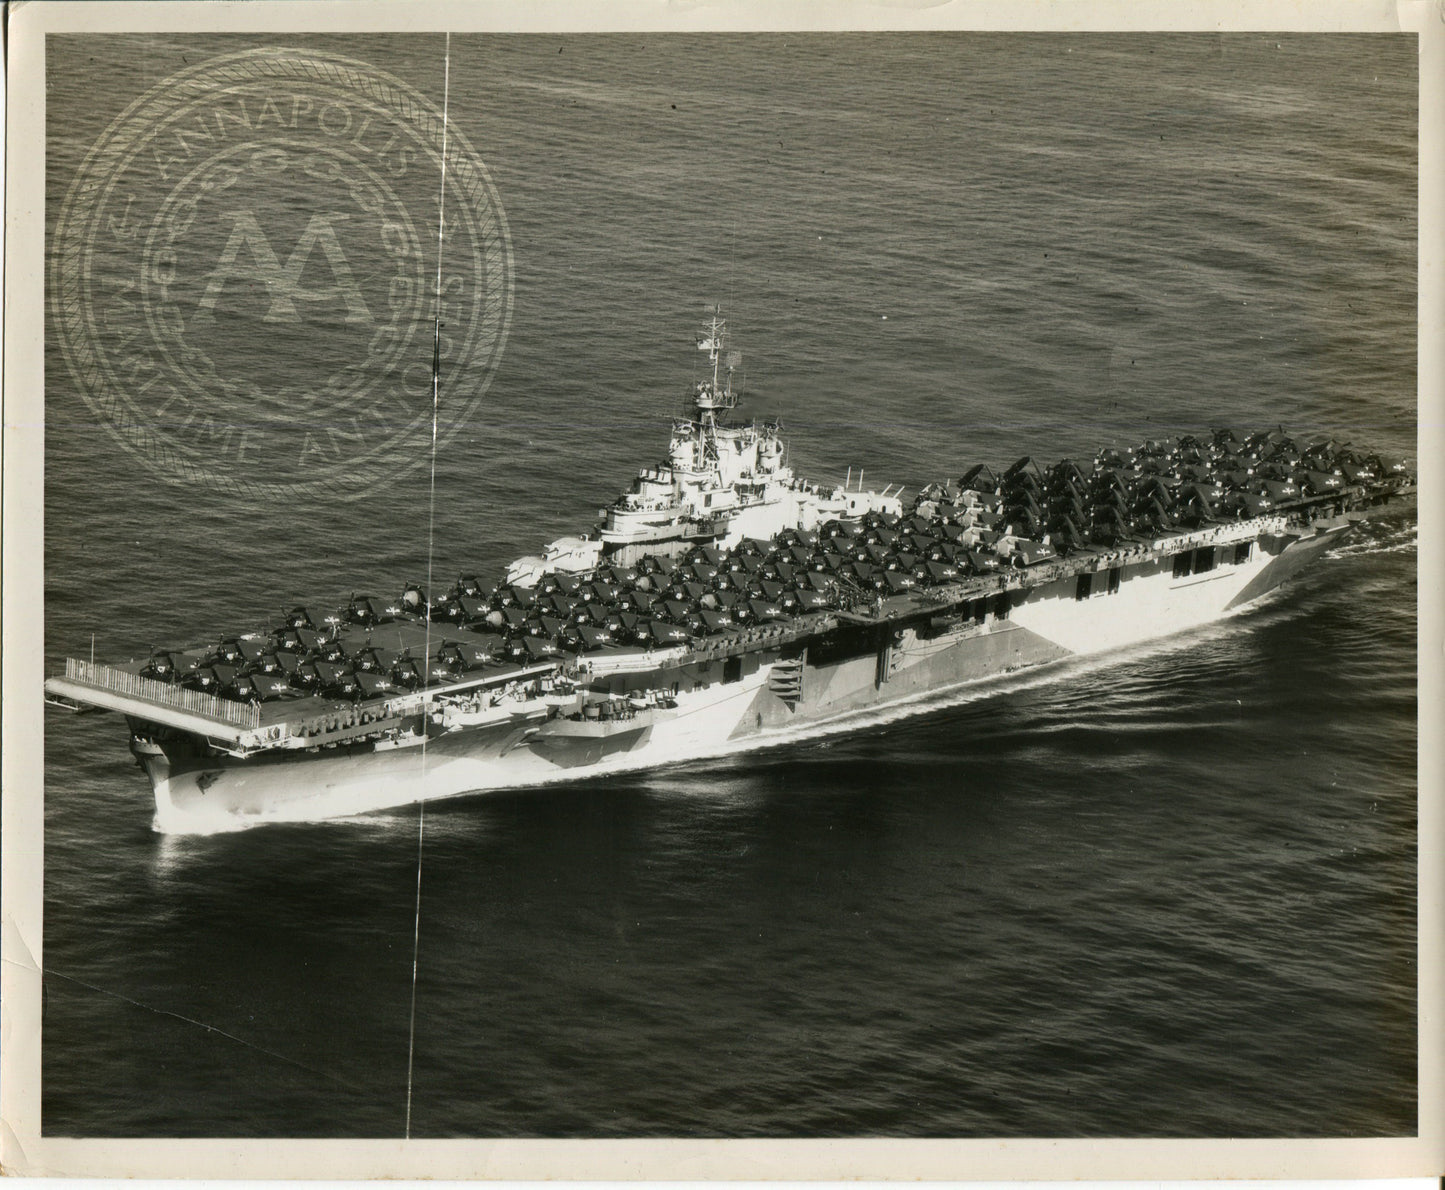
710,397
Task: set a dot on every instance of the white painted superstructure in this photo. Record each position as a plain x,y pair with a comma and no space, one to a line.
720,482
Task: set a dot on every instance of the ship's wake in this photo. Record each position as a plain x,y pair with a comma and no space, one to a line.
1380,539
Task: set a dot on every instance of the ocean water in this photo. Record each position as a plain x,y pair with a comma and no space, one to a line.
1169,892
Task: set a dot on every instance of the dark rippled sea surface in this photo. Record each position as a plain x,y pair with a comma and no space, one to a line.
1169,892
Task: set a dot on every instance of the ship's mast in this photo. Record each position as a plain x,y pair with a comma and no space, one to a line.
717,393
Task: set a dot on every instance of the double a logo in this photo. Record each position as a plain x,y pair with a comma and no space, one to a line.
249,258
289,276
245,278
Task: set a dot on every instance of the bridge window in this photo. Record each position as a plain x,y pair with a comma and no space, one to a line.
1114,578
1085,586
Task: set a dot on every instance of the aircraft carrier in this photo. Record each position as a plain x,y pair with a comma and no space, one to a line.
723,602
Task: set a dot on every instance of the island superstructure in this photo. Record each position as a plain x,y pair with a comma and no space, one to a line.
721,603
721,483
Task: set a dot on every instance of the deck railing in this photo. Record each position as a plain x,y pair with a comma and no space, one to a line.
120,681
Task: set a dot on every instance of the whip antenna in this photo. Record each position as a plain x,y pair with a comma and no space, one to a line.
436,366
